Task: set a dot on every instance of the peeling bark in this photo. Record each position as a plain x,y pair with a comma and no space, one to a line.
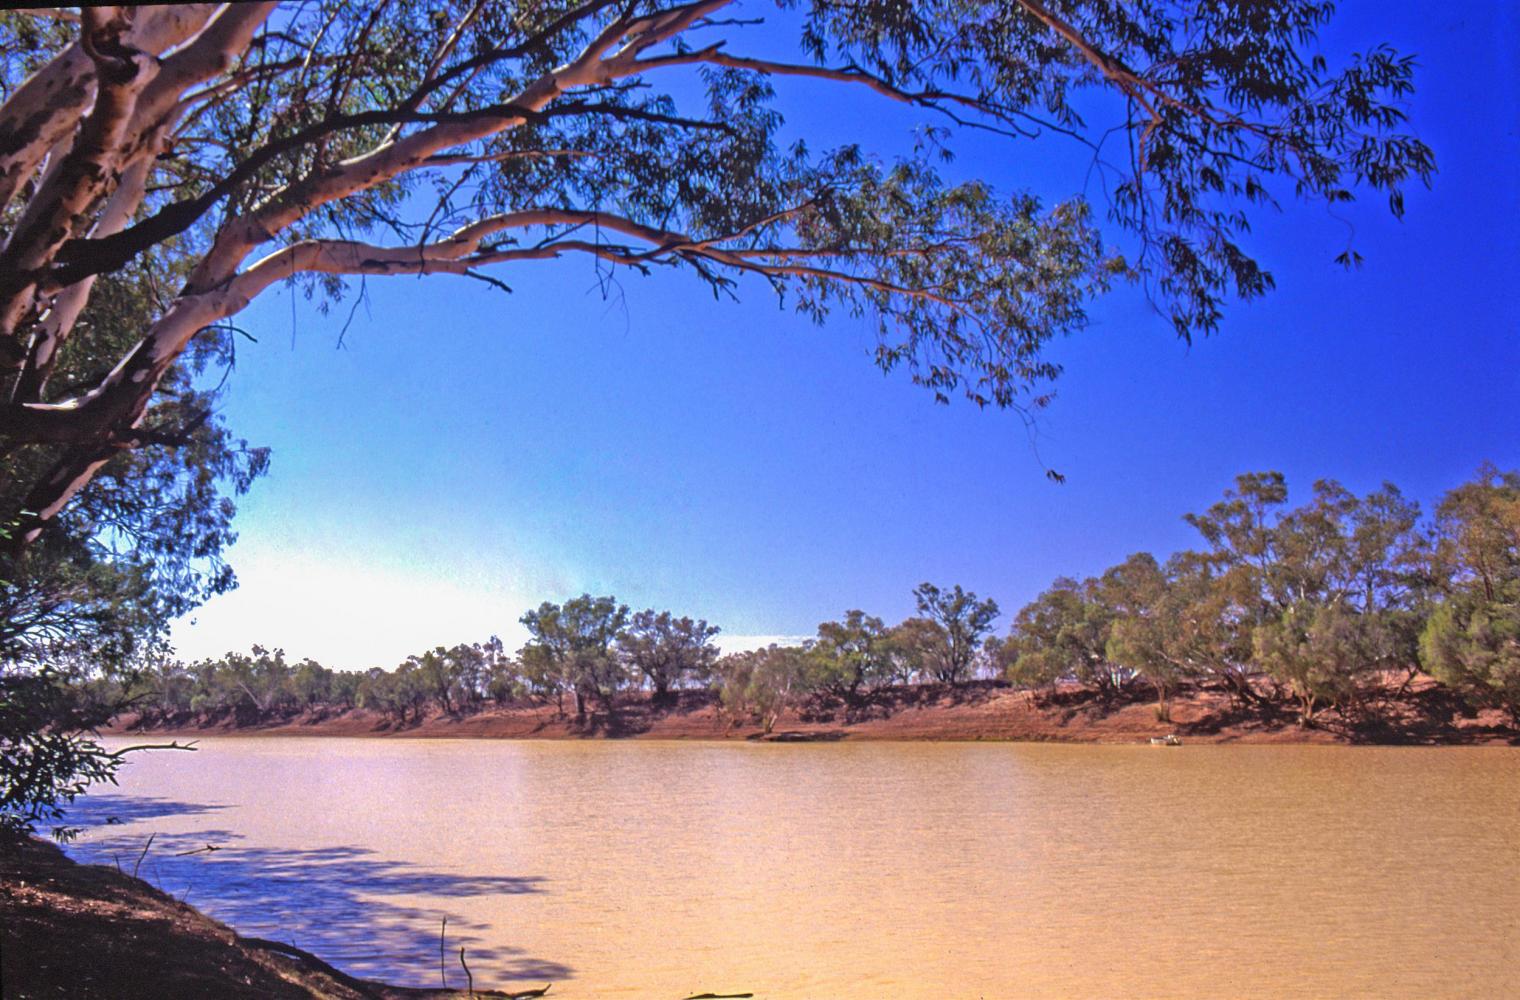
48,106
58,322
60,208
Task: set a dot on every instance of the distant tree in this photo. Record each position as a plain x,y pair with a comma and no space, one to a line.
851,653
312,684
542,672
1318,650
1062,633
507,680
252,685
1242,536
763,683
1472,639
438,669
668,650
1317,597
1139,601
577,642
1167,624
913,649
410,691
167,687
479,666
380,692
1477,534
1239,582
345,688
1389,574
1032,654
963,622
1345,596
245,145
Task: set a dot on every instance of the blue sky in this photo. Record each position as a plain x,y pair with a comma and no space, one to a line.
469,454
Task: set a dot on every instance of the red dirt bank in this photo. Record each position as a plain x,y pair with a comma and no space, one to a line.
1424,714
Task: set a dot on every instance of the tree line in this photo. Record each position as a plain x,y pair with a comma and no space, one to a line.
581,656
1316,605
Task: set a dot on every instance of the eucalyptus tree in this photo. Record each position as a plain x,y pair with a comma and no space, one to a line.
911,649
962,621
1149,630
1472,638
437,669
168,687
1317,650
253,686
1060,634
228,148
1350,594
763,683
380,691
667,650
457,677
577,644
851,653
1238,580
489,672
314,685
507,680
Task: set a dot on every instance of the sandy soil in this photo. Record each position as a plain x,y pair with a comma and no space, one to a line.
1424,714
90,932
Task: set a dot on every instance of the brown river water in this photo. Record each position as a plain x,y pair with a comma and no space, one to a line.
843,871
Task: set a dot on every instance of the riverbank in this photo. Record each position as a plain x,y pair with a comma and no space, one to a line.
91,932
1418,713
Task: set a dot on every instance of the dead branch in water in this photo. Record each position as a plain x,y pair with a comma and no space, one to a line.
199,850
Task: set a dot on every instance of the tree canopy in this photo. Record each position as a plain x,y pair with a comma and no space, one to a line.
211,151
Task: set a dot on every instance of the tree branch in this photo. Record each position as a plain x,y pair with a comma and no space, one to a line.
44,109
86,172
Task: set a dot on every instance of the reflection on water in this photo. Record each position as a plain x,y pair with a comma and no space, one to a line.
849,870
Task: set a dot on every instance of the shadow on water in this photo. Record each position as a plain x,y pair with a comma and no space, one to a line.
109,809
331,901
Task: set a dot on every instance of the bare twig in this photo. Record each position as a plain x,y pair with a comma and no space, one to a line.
144,854
469,977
